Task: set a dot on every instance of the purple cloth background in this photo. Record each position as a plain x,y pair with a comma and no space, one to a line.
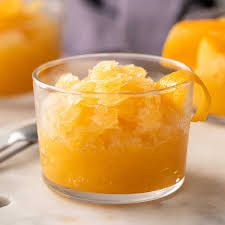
121,25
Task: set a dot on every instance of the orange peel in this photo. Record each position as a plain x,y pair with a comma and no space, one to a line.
182,76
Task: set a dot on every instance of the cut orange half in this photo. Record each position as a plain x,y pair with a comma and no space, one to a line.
181,76
183,39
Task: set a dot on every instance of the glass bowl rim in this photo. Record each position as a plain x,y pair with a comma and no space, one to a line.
155,58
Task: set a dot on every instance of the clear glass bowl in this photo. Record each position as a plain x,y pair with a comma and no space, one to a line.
140,160
29,37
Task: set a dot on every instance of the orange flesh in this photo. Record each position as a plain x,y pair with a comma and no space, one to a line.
211,69
183,39
114,143
28,38
201,45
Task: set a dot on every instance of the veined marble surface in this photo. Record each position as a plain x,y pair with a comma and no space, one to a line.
201,201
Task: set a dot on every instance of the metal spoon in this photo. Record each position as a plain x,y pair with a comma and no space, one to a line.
26,135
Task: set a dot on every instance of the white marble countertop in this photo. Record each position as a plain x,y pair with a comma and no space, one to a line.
201,201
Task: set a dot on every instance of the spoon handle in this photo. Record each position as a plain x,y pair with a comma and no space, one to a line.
4,147
9,154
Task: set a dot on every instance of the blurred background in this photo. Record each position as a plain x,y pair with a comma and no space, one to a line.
128,25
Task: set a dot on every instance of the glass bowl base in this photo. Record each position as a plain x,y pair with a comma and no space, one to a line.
113,198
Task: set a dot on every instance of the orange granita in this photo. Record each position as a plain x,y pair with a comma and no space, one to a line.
28,38
201,45
112,132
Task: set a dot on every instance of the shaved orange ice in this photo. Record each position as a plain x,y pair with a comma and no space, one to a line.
116,130
201,45
28,38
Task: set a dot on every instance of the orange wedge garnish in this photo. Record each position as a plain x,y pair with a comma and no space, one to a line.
181,76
